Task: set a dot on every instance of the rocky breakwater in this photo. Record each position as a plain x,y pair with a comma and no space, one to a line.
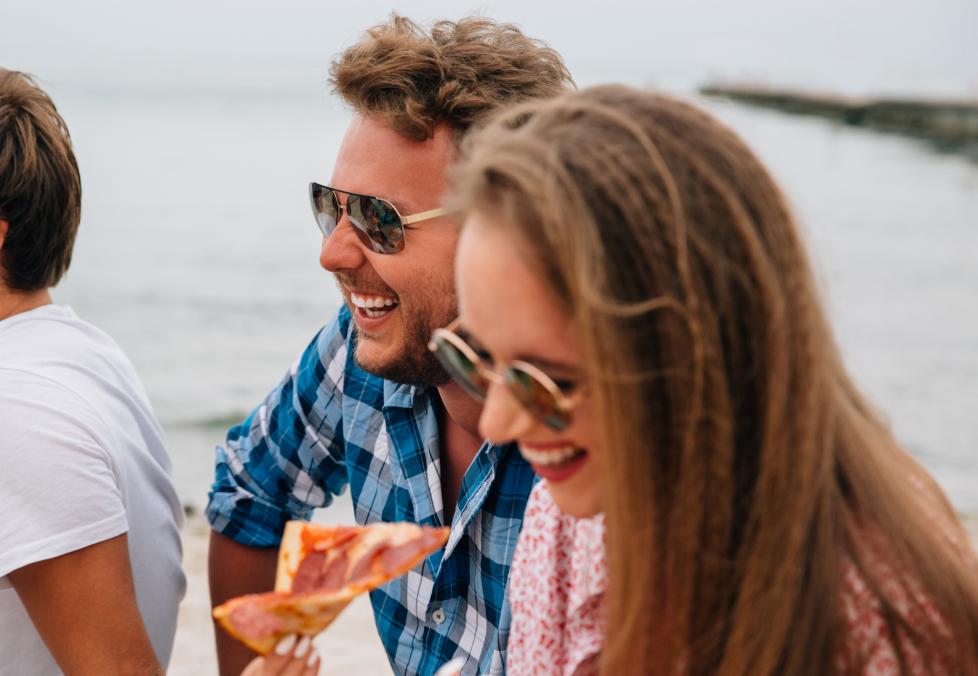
950,125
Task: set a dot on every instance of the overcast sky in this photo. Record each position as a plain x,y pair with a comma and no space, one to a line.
861,46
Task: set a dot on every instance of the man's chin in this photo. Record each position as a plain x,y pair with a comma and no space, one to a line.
407,367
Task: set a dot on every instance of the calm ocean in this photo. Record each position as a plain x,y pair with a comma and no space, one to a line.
199,255
198,126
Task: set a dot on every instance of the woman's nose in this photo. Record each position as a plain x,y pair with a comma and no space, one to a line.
503,418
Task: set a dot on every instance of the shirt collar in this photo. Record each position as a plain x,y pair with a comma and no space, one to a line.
400,395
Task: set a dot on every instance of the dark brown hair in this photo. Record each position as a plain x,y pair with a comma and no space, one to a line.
745,478
453,74
40,189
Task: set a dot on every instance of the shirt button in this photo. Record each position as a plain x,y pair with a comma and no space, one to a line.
438,616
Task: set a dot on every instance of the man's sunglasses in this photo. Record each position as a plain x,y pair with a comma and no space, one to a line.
533,388
376,221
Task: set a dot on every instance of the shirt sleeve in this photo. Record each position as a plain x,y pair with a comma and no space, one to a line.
59,491
287,457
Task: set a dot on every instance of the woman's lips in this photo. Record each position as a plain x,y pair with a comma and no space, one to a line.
554,462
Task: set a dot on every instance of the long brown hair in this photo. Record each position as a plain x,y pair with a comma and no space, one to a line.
744,471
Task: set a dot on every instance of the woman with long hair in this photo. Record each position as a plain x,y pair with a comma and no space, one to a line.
639,313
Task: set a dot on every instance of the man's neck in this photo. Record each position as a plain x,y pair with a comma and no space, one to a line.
461,409
458,426
15,302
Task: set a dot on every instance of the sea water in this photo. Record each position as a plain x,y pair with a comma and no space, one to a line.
199,254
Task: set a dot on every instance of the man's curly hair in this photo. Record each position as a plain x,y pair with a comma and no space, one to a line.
416,80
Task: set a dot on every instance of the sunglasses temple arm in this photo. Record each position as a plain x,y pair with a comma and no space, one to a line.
423,216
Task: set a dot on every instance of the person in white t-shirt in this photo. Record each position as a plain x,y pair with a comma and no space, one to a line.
90,575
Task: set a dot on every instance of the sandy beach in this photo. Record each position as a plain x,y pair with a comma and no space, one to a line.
350,646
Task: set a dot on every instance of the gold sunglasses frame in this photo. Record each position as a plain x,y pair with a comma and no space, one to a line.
343,210
565,403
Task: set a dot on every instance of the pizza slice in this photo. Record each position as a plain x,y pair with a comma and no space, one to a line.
320,570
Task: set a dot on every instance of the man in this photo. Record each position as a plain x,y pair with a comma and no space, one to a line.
90,575
366,405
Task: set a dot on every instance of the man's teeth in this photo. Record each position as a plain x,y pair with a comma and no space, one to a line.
550,456
373,306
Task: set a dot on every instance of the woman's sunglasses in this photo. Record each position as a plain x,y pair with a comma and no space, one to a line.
533,388
376,221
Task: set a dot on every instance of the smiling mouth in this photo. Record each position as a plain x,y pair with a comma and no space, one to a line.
373,305
552,456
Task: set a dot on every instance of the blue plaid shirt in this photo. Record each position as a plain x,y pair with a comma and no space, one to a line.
330,424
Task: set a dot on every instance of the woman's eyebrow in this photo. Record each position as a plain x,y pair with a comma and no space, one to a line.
548,365
543,363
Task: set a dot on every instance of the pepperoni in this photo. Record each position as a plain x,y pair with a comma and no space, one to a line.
308,573
363,565
342,536
334,573
322,573
325,566
253,621
327,571
395,558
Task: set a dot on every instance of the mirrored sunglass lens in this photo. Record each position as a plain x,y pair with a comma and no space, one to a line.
324,208
537,398
378,223
460,368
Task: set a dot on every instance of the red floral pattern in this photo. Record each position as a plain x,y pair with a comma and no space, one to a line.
870,649
556,587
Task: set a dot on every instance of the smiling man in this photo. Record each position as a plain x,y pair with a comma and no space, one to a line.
366,405
397,299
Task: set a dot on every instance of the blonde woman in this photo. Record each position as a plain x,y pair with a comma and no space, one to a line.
638,312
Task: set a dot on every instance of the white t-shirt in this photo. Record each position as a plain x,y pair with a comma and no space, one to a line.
82,460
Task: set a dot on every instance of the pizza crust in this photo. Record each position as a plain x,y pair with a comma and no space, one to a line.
261,620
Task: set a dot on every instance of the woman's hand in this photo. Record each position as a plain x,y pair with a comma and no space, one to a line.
293,656
452,667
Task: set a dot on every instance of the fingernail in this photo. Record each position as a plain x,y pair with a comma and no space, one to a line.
452,667
303,646
285,645
313,657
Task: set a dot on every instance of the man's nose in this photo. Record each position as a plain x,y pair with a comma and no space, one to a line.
342,249
503,418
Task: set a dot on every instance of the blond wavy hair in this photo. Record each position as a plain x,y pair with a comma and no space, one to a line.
744,472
